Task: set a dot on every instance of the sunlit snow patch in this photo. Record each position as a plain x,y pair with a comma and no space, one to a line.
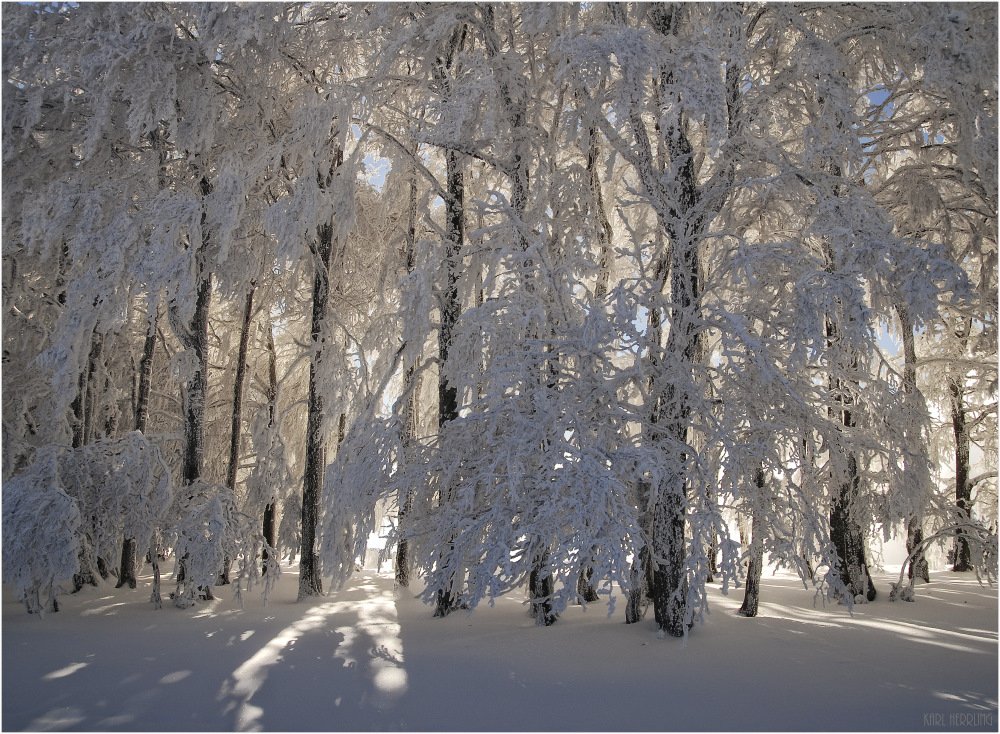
63,672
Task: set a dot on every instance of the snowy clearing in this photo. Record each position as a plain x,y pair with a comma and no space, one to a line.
369,658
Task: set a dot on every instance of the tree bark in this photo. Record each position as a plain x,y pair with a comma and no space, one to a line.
194,337
196,392
914,525
82,410
90,404
451,306
541,585
128,566
236,431
755,568
310,583
963,490
241,369
411,415
641,572
845,531
847,537
584,585
270,520
675,205
447,599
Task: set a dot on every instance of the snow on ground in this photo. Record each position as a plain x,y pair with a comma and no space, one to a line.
369,658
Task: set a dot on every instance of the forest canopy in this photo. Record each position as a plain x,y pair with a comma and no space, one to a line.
592,300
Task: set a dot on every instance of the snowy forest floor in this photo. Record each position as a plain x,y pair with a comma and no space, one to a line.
369,658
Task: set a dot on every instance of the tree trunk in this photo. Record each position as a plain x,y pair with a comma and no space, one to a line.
270,520
963,490
128,565
755,568
406,507
847,537
540,586
196,391
447,599
584,585
918,564
914,525
87,573
674,202
411,417
845,531
641,572
194,337
237,422
77,407
241,369
713,549
310,583
640,586
90,404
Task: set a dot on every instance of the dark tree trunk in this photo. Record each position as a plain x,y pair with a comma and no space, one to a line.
640,586
412,405
86,396
669,590
270,529
406,506
447,599
845,531
241,370
451,305
675,205
128,565
236,431
310,583
403,548
584,587
194,337
91,402
713,550
196,392
77,408
918,564
641,572
847,537
90,418
270,520
87,574
751,597
541,585
963,490
103,569
914,526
